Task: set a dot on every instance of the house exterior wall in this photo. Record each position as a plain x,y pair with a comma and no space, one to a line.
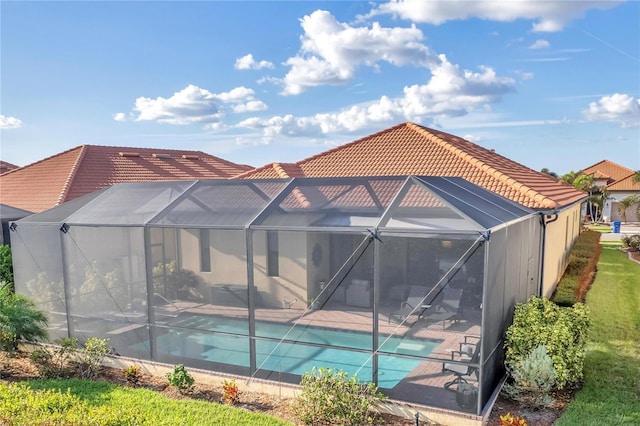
559,238
632,213
289,287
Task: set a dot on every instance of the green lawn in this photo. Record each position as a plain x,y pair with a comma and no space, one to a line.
611,392
130,406
600,228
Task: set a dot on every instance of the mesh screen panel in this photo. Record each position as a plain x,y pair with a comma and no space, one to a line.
38,272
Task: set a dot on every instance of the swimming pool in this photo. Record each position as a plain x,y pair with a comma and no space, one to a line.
206,338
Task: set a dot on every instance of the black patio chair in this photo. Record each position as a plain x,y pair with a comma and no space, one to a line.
468,352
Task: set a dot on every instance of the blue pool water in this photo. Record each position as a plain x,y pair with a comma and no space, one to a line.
195,340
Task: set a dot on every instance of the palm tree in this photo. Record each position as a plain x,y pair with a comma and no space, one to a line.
627,202
636,177
587,183
20,319
569,177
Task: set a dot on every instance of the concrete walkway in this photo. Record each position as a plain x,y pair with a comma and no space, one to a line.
626,228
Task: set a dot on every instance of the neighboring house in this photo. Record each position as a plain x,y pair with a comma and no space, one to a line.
5,167
9,214
88,168
618,182
411,149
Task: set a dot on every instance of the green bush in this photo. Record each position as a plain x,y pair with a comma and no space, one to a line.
20,319
181,379
92,355
55,361
330,397
20,405
631,242
6,265
533,379
562,330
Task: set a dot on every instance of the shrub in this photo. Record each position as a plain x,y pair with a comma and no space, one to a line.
133,374
330,397
6,266
533,380
92,355
632,242
54,361
509,420
181,379
19,319
563,331
231,393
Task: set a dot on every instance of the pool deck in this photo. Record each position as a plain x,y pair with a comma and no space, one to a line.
424,385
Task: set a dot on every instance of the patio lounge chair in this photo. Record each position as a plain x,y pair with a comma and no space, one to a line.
417,303
469,352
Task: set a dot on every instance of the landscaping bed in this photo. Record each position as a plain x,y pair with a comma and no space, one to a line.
19,368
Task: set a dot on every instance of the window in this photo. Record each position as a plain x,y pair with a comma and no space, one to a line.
272,254
205,251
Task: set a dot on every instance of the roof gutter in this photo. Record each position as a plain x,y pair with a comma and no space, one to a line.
545,219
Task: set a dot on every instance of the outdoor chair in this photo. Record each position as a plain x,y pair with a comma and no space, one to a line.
468,352
417,303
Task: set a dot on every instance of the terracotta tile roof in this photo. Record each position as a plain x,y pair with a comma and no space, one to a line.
410,149
5,167
609,169
624,184
87,168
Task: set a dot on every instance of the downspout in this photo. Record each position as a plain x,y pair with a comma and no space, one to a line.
545,219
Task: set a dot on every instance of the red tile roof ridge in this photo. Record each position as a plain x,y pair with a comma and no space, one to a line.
72,173
59,154
280,171
481,165
357,141
608,163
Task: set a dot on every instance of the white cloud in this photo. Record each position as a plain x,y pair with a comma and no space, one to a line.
450,92
540,44
548,16
453,92
251,106
10,122
248,63
331,51
120,116
238,94
192,105
620,108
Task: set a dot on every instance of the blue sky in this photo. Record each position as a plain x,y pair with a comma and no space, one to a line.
547,84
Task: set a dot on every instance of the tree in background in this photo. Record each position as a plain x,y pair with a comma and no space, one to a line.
549,172
587,183
569,177
636,177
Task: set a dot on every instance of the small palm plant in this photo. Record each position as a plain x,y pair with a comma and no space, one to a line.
20,319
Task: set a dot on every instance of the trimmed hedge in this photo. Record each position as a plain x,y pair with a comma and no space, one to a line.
579,274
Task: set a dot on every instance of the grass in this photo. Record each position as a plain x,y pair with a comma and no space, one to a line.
611,391
600,228
152,408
